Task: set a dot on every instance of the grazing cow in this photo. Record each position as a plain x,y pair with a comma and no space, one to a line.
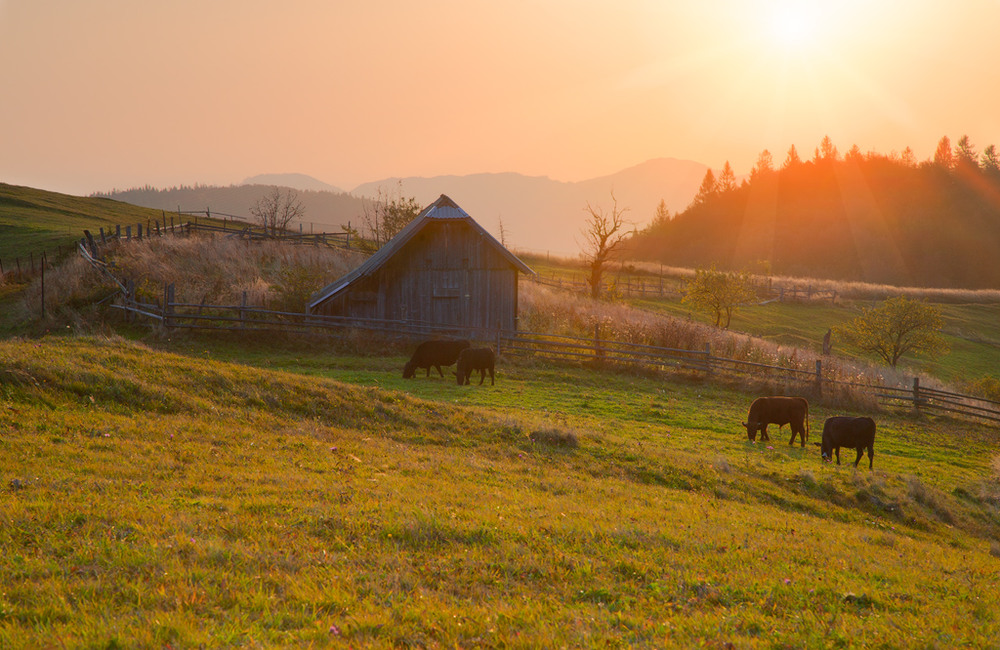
481,359
434,354
793,411
853,433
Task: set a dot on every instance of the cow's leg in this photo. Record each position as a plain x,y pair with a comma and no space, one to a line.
861,452
791,440
439,371
763,433
428,372
871,455
492,381
838,455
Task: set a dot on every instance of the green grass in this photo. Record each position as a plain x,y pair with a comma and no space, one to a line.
971,330
36,221
216,496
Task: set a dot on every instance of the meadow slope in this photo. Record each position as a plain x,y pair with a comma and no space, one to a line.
154,498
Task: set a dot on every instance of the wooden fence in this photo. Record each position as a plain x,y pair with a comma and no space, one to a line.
641,286
248,318
154,228
595,350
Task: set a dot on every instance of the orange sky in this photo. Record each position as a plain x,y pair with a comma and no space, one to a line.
103,94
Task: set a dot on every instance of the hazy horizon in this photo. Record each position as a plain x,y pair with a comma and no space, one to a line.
115,94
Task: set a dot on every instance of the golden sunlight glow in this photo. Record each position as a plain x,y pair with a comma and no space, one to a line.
793,25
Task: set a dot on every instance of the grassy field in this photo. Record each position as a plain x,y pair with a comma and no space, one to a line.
199,493
972,318
36,221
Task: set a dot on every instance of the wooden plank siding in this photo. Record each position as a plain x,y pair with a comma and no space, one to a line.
446,274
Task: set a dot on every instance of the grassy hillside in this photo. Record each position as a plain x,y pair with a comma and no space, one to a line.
971,329
35,221
209,496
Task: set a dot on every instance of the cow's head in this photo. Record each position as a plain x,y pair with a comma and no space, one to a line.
752,428
409,369
826,453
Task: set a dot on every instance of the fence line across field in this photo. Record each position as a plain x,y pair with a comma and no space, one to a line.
595,349
244,317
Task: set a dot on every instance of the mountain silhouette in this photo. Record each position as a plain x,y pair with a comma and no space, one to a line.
538,214
294,181
543,215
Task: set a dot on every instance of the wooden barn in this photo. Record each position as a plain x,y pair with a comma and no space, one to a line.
442,269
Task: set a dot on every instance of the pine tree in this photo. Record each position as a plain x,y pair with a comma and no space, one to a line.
792,159
708,188
826,149
965,154
727,179
942,156
990,161
765,164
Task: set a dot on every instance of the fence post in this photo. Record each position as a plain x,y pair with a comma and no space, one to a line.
708,358
128,233
916,394
598,352
819,378
43,286
168,303
139,231
118,231
129,300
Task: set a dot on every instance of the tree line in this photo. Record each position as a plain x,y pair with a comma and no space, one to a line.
859,216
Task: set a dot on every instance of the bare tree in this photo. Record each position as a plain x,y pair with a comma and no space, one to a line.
387,214
277,209
604,234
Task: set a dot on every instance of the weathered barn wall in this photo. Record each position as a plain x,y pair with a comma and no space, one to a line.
447,274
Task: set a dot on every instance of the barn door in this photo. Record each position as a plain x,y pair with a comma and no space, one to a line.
450,301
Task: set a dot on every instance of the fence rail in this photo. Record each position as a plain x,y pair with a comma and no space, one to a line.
596,349
640,286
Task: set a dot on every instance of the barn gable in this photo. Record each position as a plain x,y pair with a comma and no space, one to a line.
443,268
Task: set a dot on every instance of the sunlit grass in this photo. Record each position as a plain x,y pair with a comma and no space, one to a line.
150,498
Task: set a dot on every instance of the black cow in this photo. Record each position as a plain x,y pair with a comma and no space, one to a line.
434,354
481,359
793,411
853,433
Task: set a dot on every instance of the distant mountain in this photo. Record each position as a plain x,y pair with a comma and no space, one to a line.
294,181
543,215
538,213
324,211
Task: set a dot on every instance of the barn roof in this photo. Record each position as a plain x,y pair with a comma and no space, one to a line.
443,209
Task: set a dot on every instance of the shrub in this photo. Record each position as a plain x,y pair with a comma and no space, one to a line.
554,438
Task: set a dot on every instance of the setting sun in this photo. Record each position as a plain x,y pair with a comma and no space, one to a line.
793,26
